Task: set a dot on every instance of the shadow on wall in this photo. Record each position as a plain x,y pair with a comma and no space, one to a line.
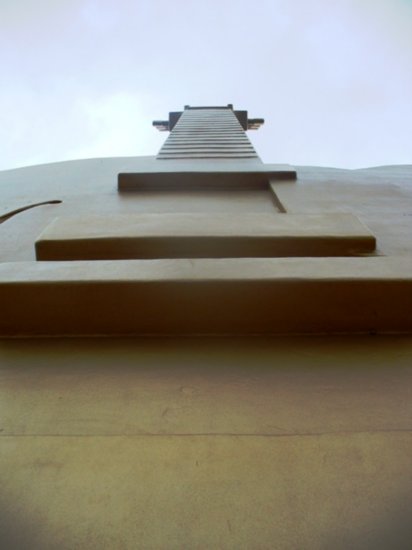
19,527
390,531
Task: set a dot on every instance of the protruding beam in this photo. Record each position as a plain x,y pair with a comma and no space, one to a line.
242,116
228,296
151,236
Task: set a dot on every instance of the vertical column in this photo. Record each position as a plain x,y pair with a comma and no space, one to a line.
207,133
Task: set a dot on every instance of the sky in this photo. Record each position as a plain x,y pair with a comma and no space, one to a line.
85,78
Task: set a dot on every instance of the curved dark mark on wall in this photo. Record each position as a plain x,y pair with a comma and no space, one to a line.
8,215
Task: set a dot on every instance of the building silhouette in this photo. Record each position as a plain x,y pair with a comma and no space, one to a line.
201,350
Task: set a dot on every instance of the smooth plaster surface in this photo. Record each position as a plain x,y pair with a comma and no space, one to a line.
381,198
206,443
243,443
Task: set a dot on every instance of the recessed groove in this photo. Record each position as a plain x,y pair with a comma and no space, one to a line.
207,151
211,132
213,139
207,124
210,144
207,144
211,115
208,139
209,129
217,122
200,153
204,156
223,126
206,128
206,147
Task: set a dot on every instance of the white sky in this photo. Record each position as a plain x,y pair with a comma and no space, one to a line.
85,78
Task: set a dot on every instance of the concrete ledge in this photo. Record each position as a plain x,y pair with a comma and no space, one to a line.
204,176
151,236
305,295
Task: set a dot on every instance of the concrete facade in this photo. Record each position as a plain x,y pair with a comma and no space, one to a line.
238,384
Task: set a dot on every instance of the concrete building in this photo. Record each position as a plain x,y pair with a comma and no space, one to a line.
200,350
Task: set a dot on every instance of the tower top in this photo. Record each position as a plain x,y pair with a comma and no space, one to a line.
242,116
207,133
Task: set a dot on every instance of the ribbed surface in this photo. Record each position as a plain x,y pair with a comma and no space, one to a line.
207,133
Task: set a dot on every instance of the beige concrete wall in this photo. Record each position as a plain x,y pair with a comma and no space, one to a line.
381,198
255,443
301,442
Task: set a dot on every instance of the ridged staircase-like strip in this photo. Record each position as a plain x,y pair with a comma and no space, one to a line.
205,134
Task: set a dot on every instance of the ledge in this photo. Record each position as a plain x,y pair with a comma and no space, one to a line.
235,296
204,175
152,236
